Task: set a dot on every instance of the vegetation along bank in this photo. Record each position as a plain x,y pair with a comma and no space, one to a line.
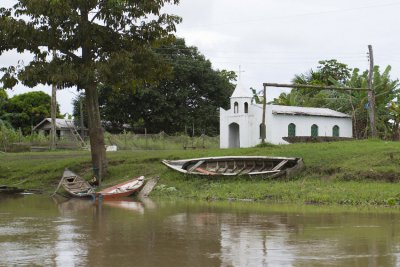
350,173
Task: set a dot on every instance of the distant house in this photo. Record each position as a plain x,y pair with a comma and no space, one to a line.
240,125
65,128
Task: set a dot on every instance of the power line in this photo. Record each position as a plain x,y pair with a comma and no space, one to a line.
303,14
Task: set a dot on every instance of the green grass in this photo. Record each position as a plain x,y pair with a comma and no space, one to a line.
130,141
345,173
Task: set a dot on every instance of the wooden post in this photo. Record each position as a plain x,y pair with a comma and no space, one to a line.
125,133
263,128
317,87
81,119
145,137
193,135
371,94
53,111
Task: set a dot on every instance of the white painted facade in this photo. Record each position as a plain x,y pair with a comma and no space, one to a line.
240,125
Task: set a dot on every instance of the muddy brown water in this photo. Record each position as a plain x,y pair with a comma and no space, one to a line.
37,230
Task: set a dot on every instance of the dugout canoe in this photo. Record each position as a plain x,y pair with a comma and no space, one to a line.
9,190
238,165
122,190
76,186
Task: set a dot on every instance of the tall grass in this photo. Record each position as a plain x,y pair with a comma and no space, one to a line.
161,141
346,173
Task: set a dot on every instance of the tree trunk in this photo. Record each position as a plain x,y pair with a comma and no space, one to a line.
96,134
53,111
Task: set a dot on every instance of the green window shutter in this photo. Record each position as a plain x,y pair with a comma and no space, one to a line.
314,130
291,130
335,131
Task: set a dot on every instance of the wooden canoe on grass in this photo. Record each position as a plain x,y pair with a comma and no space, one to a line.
76,186
9,190
238,165
122,190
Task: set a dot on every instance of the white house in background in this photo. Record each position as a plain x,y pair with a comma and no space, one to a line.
240,125
65,128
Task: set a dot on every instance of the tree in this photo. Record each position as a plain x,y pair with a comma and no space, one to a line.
192,94
27,110
97,41
355,103
3,101
329,72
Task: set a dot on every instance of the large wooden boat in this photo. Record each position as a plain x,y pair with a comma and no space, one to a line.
76,186
122,190
238,165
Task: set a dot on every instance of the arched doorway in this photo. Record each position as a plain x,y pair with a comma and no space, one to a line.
234,135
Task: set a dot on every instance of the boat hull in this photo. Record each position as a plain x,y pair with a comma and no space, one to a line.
121,190
76,186
238,165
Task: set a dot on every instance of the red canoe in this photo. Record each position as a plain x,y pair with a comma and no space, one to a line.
122,190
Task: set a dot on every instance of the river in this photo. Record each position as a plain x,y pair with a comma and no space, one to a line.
38,230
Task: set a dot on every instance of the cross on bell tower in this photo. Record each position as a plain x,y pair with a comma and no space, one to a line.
240,72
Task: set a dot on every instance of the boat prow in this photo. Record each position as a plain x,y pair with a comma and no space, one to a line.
122,190
76,186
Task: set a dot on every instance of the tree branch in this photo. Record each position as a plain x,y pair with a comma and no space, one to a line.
98,12
70,54
95,16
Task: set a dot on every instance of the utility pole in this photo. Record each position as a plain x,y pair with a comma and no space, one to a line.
53,111
371,94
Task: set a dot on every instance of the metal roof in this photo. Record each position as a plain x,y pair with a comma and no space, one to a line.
306,111
60,123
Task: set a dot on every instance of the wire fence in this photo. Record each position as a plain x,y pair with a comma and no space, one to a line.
15,141
160,141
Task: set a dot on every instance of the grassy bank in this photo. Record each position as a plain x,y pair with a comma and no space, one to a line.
354,173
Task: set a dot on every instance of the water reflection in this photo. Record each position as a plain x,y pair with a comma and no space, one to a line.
135,206
39,231
70,246
255,241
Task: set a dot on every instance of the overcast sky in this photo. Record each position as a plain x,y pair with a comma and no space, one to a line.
274,40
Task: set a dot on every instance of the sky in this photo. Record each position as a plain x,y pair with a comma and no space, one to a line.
271,40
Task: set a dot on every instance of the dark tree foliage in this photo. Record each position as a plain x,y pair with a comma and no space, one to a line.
27,110
77,103
96,41
3,101
192,94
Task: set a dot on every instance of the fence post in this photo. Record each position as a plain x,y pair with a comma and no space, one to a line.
125,140
145,137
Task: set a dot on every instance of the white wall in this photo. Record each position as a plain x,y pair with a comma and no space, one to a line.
276,125
248,125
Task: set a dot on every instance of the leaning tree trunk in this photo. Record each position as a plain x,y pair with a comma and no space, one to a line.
96,133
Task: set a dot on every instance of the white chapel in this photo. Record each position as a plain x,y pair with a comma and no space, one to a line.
240,125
